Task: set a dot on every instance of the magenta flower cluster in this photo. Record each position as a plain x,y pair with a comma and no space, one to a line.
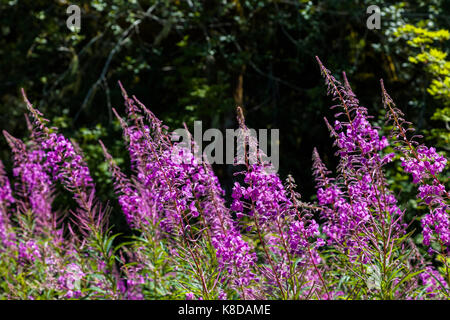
424,168
189,243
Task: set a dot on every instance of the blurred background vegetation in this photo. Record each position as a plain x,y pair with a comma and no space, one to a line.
197,60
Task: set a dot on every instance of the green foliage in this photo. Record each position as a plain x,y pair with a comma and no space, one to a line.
435,64
186,59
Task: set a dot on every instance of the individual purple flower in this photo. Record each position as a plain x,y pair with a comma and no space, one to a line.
436,223
428,164
66,164
222,295
433,282
28,252
190,296
70,281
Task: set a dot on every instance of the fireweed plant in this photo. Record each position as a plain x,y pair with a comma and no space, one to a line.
353,242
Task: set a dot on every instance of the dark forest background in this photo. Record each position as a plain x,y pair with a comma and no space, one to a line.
197,60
